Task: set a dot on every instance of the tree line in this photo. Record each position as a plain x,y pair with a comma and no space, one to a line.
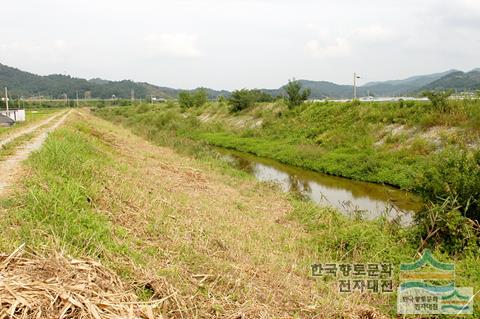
239,100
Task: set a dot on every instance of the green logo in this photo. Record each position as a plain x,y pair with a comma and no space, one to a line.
428,287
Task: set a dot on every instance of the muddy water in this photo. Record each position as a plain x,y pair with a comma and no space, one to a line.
349,196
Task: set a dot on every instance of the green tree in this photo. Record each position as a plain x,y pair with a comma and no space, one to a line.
439,100
200,97
241,99
261,96
295,95
185,99
221,99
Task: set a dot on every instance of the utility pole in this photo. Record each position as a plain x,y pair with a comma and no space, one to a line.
6,99
355,77
77,98
132,94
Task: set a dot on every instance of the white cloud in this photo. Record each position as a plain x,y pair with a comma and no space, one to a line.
339,48
55,46
48,51
373,33
173,44
471,4
327,45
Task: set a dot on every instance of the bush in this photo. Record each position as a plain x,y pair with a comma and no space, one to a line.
295,95
188,100
221,99
185,99
200,97
443,226
261,96
451,187
454,174
241,99
439,100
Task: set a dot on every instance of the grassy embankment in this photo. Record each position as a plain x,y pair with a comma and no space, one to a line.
165,222
373,142
190,224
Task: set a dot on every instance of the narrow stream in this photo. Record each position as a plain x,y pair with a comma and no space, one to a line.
349,196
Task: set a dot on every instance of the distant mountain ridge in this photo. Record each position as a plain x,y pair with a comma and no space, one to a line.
458,80
408,85
21,83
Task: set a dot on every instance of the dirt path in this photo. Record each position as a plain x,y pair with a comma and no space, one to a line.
9,168
16,134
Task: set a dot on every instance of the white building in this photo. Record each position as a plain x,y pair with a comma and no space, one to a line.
16,115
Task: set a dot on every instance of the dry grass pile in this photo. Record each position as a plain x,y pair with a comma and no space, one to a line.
57,287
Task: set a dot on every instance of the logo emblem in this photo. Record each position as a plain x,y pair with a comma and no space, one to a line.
428,287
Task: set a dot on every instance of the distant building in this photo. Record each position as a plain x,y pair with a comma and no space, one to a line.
158,99
15,115
6,121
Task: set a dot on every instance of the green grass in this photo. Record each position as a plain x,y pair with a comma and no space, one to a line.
347,148
10,148
61,206
57,209
334,138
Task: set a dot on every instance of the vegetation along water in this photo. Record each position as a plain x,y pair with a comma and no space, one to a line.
416,146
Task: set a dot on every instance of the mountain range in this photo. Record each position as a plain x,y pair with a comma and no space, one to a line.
21,83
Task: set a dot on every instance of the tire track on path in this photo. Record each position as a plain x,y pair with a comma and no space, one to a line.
28,130
10,167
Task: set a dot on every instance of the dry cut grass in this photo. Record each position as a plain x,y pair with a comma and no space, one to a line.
58,287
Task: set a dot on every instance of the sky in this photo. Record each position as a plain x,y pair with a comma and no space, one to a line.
232,44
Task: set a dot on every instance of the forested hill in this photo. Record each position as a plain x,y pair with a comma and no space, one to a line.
21,83
459,81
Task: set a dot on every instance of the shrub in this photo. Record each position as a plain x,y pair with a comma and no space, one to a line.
454,174
261,96
241,99
221,99
443,226
295,95
439,100
188,100
185,99
200,97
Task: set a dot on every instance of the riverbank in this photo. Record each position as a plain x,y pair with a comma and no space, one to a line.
205,239
166,125
374,142
346,195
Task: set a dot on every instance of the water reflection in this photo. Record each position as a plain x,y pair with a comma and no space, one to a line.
351,197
